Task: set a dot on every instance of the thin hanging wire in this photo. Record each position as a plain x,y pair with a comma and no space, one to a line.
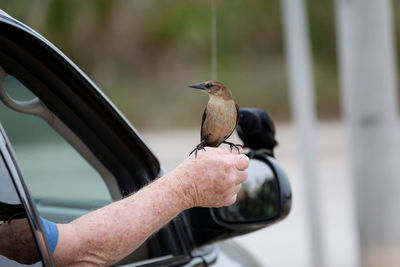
214,48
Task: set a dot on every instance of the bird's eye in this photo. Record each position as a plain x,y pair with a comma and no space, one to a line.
208,86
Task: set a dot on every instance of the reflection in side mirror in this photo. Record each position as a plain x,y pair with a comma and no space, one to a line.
258,198
265,198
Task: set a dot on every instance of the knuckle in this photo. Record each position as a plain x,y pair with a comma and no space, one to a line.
245,159
228,161
220,161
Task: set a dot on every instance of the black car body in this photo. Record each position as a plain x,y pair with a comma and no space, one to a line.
79,112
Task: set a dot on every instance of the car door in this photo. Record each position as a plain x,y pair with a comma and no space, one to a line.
70,108
23,241
65,186
79,152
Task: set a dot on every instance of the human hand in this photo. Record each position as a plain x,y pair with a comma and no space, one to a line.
213,179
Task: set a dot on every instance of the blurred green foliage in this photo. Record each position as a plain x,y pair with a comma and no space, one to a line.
143,53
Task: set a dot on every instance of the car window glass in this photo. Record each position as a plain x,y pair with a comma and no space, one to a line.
54,171
17,244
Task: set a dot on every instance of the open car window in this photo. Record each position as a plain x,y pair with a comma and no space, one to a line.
63,184
94,140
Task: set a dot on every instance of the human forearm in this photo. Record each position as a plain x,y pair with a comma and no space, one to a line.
110,233
105,236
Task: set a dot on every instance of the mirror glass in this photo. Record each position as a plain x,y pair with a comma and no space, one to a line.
258,199
17,243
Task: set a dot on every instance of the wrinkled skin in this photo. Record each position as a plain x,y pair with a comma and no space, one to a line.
105,236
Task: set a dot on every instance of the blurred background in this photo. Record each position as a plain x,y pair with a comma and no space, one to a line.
141,52
144,53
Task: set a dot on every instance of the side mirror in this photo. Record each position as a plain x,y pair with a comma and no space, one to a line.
265,198
260,198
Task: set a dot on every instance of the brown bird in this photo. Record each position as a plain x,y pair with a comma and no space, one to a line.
220,116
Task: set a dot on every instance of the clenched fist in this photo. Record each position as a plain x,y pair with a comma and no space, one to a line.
213,179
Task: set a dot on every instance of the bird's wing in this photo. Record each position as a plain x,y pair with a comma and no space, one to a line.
237,120
237,113
202,122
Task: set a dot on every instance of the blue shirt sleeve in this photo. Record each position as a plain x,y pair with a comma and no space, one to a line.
51,230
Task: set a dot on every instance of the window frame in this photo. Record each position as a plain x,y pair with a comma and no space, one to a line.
7,154
79,104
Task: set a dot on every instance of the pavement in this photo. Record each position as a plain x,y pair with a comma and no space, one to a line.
288,243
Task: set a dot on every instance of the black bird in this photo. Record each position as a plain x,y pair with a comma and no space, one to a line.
257,130
220,116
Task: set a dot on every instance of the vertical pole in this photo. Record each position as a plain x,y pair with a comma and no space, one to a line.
368,83
214,47
303,109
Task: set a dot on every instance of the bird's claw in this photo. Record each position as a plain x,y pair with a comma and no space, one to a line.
196,149
232,145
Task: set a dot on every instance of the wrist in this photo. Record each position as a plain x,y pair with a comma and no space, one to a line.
182,189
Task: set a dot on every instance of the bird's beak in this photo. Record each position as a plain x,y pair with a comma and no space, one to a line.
197,86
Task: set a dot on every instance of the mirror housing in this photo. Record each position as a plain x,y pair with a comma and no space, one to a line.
265,199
